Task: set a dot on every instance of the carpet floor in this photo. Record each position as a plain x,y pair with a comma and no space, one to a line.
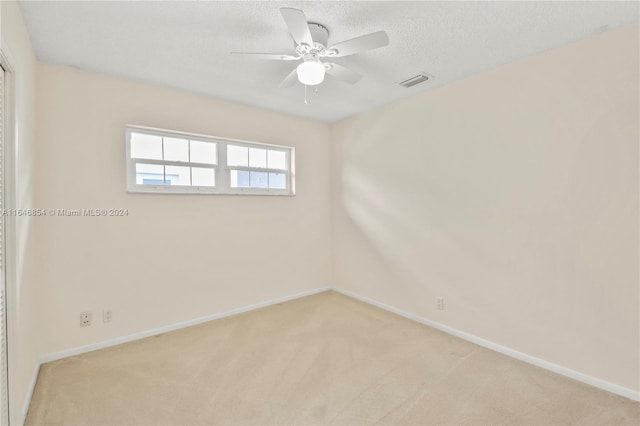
323,359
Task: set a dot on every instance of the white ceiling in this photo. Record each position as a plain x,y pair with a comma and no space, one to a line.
186,45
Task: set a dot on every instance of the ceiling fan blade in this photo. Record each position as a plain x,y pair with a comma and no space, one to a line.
343,73
360,44
276,56
297,24
290,79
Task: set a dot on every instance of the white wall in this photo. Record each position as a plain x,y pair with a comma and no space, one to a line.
512,194
22,283
175,257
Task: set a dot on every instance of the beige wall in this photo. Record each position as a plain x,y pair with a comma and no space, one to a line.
513,195
23,318
175,257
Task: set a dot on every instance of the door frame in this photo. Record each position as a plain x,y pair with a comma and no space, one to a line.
9,158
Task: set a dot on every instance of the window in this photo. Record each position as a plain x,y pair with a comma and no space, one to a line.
172,162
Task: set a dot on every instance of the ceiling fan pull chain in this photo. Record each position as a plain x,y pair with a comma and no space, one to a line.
305,95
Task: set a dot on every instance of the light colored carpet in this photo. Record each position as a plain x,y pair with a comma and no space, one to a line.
323,359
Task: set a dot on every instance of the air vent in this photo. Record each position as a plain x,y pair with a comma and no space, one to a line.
410,82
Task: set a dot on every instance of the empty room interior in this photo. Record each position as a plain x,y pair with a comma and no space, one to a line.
320,213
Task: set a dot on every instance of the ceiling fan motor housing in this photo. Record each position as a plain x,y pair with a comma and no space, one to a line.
320,37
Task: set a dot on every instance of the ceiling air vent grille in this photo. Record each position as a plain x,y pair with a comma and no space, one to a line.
410,82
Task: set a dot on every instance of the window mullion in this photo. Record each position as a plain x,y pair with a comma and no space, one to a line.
164,167
223,175
256,169
174,163
189,158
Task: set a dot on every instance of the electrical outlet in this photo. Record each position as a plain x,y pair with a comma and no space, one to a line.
85,319
440,303
106,315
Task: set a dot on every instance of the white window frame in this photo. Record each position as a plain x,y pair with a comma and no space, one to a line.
222,171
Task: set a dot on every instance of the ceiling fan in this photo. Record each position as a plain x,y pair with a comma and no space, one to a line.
311,46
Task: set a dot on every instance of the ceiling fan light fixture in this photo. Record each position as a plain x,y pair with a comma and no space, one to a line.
311,72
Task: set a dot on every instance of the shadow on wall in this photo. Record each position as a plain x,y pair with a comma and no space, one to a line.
392,207
442,210
24,226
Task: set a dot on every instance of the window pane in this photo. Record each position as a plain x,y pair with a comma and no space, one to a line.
176,149
277,160
257,157
277,180
239,179
203,152
258,179
146,146
176,175
237,155
149,174
203,177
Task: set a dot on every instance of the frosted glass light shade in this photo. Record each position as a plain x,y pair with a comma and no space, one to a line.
310,72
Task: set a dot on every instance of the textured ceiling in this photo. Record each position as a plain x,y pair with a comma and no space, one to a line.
186,45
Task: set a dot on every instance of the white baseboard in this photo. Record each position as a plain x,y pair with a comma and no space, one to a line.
585,378
171,327
576,375
29,396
